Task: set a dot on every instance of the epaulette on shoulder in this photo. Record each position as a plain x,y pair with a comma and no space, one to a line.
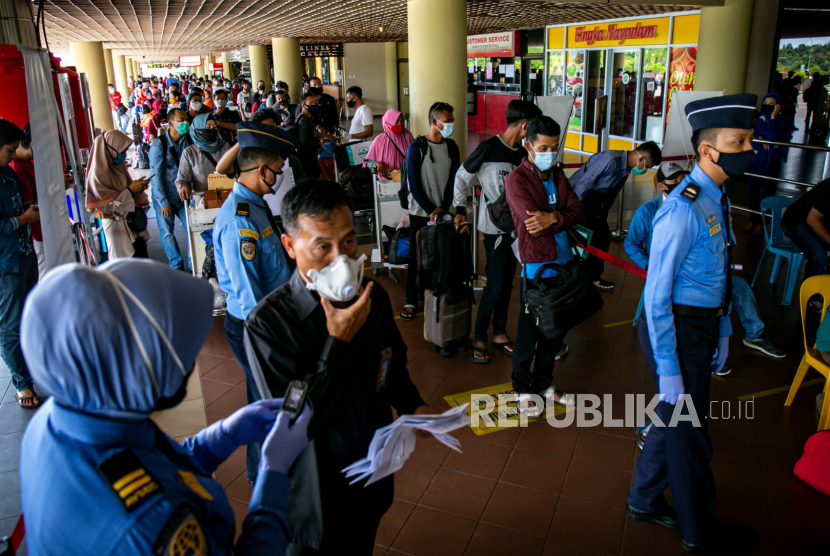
691,192
242,209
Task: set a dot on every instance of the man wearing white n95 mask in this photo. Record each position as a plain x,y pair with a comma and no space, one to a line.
341,338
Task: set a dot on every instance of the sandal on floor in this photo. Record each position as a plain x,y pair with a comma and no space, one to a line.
567,400
20,399
507,347
531,412
406,315
485,357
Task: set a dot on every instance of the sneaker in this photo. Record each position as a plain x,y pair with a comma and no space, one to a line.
725,370
563,351
763,345
641,434
815,306
604,284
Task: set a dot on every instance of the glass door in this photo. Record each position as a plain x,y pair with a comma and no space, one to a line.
653,94
594,86
623,102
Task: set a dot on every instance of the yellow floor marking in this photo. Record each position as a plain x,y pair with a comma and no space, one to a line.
771,391
622,322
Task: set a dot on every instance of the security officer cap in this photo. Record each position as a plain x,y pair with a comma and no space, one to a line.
264,136
731,111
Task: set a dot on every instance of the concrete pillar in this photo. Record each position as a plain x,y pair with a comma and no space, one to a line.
226,67
288,66
391,55
723,29
136,68
762,41
260,68
108,64
438,37
120,68
207,62
89,59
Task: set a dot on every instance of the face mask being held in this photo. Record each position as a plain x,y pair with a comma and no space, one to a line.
544,160
734,164
340,280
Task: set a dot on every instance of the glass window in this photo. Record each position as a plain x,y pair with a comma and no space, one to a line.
653,94
574,73
594,86
556,73
624,93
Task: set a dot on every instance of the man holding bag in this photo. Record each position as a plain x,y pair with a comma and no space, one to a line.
543,206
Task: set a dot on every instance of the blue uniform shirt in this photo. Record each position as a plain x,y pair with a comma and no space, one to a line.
688,263
250,262
605,172
638,241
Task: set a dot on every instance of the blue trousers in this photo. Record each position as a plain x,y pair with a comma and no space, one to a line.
500,270
678,457
743,301
14,287
814,248
168,240
235,333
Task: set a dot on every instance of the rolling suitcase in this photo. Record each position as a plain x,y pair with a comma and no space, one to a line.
448,319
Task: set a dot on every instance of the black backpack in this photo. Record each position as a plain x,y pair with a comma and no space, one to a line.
403,193
444,258
499,212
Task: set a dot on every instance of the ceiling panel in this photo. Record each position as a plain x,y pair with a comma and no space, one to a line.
162,30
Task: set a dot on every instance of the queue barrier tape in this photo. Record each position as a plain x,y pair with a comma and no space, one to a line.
616,261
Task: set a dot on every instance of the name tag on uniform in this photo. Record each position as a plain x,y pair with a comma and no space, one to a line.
714,229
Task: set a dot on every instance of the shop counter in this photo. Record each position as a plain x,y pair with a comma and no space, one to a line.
491,107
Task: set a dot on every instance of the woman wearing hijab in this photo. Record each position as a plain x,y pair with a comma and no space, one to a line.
160,108
112,194
149,123
770,126
97,475
199,159
388,149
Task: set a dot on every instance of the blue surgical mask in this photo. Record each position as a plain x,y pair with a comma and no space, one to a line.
120,158
183,128
543,161
446,130
637,171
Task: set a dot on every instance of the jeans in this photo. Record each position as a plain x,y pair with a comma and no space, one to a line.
168,240
122,121
235,334
814,248
533,348
14,287
743,300
412,289
500,271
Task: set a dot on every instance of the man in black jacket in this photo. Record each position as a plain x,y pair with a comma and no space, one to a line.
353,358
329,116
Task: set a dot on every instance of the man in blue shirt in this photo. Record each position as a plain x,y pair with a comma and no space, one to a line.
687,301
165,153
250,262
597,184
18,264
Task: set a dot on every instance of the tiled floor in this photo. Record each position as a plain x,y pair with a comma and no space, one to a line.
540,490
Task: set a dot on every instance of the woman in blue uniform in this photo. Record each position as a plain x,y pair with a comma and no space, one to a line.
110,346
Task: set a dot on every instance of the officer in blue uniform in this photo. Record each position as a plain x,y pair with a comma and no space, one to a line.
250,261
97,475
687,298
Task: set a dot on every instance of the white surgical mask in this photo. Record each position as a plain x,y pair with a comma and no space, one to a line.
195,105
544,161
340,280
446,130
221,103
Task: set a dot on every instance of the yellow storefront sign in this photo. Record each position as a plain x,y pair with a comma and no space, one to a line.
619,33
504,413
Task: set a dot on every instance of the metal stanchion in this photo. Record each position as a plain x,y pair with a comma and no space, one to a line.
619,233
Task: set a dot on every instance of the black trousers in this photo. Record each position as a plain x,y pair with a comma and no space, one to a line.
412,289
678,457
235,333
533,348
500,271
597,205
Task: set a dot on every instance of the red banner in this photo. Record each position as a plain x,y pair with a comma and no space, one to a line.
681,72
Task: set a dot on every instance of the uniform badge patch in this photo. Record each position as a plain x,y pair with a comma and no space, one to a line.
691,191
242,209
247,248
129,479
193,483
714,229
182,535
711,220
267,231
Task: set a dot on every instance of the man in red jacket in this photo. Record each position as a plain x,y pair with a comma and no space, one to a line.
543,206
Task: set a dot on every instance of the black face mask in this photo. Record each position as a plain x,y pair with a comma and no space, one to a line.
350,103
208,135
261,87
767,109
735,164
174,400
283,103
